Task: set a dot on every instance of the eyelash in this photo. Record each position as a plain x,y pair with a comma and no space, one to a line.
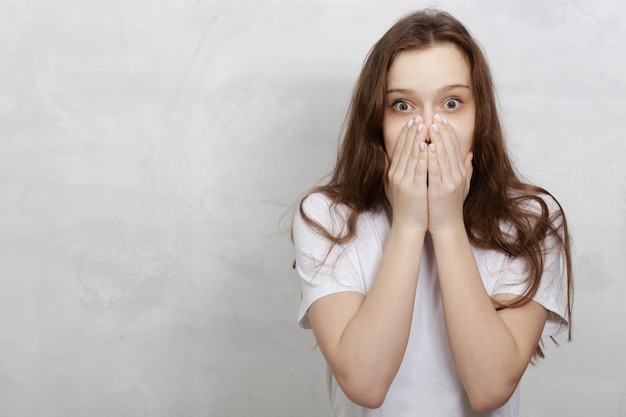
458,100
397,102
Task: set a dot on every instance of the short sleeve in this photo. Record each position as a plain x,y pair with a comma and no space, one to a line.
552,293
322,271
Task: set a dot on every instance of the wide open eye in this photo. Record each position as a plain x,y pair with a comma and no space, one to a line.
402,106
452,104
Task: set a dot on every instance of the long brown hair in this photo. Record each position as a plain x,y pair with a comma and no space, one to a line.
497,196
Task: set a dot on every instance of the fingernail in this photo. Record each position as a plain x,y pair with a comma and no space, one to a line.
417,118
436,128
422,146
432,147
420,127
410,123
439,118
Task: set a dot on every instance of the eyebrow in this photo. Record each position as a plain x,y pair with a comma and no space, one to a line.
444,88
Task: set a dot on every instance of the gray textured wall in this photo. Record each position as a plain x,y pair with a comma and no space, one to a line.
149,149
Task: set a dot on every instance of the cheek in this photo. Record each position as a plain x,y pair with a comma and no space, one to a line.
464,130
391,131
465,141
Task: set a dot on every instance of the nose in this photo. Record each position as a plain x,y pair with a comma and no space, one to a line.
427,115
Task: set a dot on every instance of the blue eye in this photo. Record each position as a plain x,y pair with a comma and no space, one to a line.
452,104
401,106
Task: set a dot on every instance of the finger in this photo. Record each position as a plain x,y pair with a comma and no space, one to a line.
386,174
420,153
434,172
440,161
421,168
404,153
469,169
398,163
420,134
416,134
387,164
451,144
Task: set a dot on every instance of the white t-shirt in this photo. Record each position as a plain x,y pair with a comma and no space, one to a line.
426,383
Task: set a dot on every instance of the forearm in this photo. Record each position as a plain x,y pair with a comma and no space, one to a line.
364,338
373,343
485,352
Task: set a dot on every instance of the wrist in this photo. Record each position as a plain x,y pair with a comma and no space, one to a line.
408,233
451,233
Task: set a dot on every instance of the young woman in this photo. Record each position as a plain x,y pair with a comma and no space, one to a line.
429,271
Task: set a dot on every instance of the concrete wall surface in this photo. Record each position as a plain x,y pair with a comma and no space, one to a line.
150,153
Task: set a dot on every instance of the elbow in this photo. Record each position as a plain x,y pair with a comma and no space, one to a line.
490,398
369,401
485,405
364,392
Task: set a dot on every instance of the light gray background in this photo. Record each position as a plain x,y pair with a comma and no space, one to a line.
149,151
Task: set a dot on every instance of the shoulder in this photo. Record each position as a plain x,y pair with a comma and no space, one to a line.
534,200
318,213
315,203
319,209
537,204
320,221
532,214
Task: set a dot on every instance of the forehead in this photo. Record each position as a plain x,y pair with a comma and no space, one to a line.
428,68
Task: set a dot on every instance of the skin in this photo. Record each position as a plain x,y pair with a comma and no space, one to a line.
428,129
423,85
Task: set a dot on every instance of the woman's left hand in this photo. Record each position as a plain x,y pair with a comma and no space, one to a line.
449,176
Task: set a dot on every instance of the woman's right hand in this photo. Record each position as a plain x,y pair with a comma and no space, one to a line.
405,182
